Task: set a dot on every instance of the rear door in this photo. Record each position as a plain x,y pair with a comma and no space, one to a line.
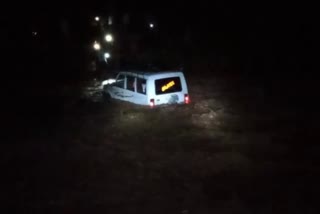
168,90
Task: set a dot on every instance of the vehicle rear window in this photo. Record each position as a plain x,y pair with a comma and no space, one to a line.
168,85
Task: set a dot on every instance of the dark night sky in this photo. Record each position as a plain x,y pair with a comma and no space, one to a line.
227,16
237,27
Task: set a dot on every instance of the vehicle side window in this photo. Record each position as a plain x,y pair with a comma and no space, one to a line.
141,86
131,83
120,81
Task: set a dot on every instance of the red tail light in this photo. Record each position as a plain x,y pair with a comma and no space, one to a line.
152,104
186,99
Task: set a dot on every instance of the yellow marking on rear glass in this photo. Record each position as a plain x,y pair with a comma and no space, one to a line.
167,86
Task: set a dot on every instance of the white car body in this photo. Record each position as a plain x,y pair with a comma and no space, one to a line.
145,88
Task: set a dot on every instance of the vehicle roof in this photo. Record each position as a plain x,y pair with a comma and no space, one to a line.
148,74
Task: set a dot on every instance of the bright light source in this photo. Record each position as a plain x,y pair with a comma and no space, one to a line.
96,46
107,55
34,33
151,25
97,18
109,38
108,81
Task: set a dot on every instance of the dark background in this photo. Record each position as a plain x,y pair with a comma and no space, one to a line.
262,48
270,42
256,38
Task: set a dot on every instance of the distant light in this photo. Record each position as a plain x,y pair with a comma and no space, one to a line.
97,18
109,38
151,25
110,20
96,46
107,55
34,33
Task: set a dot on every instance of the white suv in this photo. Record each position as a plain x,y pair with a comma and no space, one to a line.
148,88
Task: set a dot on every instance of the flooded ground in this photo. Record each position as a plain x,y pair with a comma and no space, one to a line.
231,150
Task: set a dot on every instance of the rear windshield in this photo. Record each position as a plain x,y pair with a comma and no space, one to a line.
168,85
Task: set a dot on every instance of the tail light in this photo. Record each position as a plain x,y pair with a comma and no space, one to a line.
152,104
186,99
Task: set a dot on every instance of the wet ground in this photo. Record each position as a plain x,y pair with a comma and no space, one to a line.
232,150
